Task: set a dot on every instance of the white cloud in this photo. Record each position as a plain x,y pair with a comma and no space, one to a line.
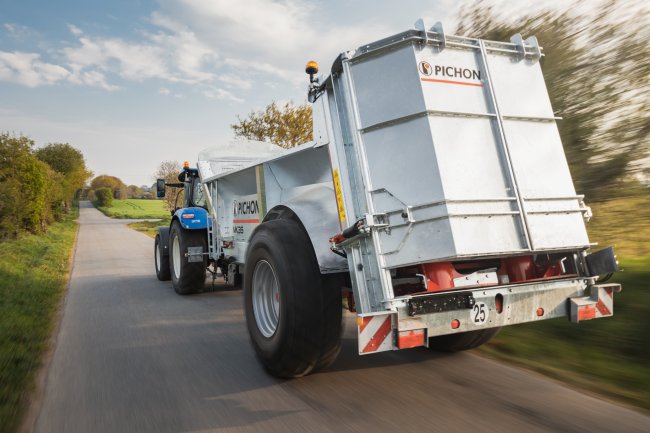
224,95
74,30
237,81
164,91
92,79
130,61
217,45
257,24
29,70
19,32
171,54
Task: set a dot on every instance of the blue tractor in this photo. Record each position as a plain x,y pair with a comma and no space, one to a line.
181,250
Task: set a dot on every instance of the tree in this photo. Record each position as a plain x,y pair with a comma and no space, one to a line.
29,188
70,163
115,184
103,197
169,171
287,126
134,191
595,68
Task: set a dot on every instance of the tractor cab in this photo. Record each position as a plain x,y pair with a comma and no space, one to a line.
189,184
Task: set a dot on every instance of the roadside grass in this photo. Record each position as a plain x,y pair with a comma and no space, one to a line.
607,356
149,227
133,208
33,273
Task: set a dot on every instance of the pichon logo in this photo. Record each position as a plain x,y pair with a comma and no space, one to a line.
249,207
449,71
425,68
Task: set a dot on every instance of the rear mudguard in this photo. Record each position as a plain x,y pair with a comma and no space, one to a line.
192,218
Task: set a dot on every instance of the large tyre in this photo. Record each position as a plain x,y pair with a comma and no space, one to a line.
187,277
161,260
462,341
293,313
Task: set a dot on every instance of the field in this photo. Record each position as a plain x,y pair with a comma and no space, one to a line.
149,227
33,274
610,356
136,209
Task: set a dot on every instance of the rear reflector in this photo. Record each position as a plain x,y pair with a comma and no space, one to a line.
408,339
455,324
540,311
188,216
586,313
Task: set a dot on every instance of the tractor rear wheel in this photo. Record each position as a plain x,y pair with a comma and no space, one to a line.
187,277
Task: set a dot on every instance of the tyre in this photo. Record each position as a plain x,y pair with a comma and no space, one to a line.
187,277
293,313
161,260
462,341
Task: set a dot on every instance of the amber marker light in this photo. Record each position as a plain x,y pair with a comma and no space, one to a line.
186,164
311,69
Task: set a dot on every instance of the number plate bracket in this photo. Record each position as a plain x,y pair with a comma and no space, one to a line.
441,302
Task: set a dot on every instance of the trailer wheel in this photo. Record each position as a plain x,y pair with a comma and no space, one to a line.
161,260
462,341
293,313
187,277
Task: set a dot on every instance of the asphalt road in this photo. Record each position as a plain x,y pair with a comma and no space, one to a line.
132,356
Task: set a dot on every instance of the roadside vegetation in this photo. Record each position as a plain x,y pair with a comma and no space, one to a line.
133,209
149,227
136,209
34,271
609,356
38,187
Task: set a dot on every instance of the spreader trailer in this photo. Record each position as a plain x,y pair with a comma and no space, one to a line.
435,201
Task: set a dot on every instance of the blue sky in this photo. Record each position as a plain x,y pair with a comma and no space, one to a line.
133,83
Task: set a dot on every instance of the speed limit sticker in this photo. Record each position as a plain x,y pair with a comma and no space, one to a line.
479,314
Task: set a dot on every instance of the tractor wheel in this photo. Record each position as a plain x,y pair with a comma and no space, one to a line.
187,277
293,313
161,260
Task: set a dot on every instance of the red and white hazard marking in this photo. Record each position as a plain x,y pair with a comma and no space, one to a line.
375,333
605,303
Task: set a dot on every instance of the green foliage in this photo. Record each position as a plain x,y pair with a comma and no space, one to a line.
104,197
31,193
595,68
286,126
149,228
33,274
70,164
118,188
137,192
135,208
612,355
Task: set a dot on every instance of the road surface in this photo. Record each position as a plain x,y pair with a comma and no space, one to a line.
132,356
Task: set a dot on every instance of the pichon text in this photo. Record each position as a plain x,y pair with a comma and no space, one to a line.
455,72
249,207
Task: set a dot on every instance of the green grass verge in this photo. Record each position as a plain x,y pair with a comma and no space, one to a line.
608,356
149,227
33,274
133,208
